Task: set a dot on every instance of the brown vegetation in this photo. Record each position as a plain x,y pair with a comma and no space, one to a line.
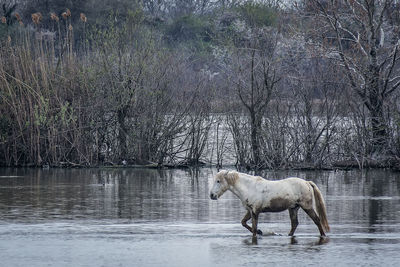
275,96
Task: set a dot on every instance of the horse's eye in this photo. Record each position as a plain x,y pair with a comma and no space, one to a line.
217,181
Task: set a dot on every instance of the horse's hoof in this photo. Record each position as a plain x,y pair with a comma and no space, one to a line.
259,232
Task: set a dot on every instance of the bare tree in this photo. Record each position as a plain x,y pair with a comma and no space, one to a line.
256,78
360,37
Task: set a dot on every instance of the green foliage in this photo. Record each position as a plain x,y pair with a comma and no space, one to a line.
258,14
66,114
191,28
135,17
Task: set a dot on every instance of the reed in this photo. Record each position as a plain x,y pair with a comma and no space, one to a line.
63,109
34,100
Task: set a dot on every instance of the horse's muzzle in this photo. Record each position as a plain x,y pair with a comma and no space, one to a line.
213,196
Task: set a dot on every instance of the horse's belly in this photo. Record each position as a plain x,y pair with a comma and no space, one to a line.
274,209
278,204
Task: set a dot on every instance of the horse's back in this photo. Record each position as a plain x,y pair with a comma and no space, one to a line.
292,183
262,195
294,189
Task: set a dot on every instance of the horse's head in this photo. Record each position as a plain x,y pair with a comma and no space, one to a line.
222,181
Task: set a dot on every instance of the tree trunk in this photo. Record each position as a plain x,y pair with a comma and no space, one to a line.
378,124
255,129
376,97
375,105
122,131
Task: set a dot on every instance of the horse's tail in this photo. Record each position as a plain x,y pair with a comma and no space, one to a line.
320,206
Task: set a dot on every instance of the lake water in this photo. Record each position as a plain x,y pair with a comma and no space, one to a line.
143,217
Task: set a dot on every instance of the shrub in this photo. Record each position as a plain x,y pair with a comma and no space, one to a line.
190,28
258,14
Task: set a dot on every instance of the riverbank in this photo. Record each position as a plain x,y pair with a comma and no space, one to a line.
389,163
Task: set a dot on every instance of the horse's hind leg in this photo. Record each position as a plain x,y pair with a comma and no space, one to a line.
293,219
315,218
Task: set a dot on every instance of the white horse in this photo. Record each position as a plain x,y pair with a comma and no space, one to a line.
261,195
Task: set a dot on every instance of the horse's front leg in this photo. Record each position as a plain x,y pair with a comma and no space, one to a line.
254,220
244,221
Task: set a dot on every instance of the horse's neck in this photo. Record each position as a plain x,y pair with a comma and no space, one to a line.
242,187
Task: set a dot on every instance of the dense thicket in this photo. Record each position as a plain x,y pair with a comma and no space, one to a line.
271,85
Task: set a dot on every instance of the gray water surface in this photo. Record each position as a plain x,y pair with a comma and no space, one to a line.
141,217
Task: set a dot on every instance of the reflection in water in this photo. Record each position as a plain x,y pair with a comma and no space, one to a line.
104,194
321,241
142,212
367,198
292,240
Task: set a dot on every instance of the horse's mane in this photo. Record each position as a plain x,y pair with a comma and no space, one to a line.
231,177
235,176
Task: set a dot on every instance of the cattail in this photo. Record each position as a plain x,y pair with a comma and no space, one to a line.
37,17
68,12
3,20
64,15
70,27
18,17
53,16
83,18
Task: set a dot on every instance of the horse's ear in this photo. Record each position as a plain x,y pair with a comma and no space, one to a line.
231,177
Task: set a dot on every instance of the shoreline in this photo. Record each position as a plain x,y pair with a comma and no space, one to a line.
389,164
